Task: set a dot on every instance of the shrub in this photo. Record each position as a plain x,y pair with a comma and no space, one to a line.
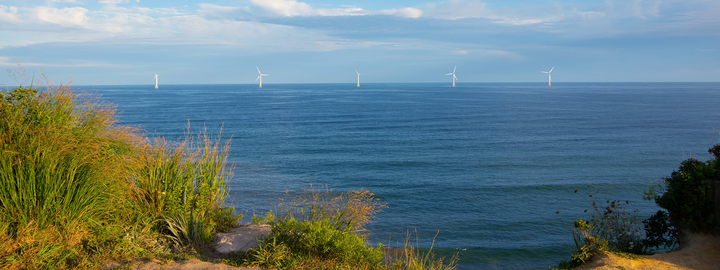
318,229
687,194
610,228
323,230
659,233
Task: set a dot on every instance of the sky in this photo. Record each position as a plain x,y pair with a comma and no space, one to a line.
125,42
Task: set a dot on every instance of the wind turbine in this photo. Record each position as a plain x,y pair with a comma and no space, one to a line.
358,85
549,77
260,76
453,74
156,86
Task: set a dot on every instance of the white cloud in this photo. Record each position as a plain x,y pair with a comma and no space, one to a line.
287,8
461,9
292,8
405,12
8,62
75,16
133,25
9,14
216,11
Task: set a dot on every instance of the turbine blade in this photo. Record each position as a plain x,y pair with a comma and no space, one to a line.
258,70
544,72
551,69
455,77
454,69
449,74
257,78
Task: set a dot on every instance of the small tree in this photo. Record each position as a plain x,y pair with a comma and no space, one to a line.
688,193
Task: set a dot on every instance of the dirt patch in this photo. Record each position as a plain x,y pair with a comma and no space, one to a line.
698,252
238,239
193,264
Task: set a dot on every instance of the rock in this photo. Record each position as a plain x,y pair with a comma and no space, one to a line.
241,239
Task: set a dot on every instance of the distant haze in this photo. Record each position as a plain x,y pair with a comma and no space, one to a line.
118,42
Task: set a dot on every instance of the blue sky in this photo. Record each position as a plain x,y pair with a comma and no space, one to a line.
110,42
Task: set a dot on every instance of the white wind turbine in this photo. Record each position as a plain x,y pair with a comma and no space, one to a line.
358,85
156,81
453,75
549,77
260,75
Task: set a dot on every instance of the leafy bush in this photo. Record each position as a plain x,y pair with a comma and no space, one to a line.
323,230
687,194
319,228
659,233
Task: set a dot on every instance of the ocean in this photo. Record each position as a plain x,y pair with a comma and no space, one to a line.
492,168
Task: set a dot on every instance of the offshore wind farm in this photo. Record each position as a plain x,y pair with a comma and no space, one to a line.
454,77
499,168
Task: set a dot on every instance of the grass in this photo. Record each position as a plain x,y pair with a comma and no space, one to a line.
77,189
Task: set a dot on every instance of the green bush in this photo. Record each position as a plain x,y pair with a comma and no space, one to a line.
324,230
687,194
659,233
319,229
310,240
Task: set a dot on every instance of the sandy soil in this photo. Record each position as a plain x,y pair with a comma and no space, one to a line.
238,239
699,252
181,265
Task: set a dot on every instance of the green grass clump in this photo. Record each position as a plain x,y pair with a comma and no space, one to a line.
412,258
77,189
185,188
323,230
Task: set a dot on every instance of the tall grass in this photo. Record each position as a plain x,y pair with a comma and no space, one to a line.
186,186
412,258
76,188
61,170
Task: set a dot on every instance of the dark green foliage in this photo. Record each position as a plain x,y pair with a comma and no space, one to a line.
659,233
688,193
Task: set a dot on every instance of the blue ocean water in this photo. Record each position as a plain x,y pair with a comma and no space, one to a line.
492,166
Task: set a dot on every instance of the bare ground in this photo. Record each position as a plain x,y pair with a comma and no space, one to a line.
698,252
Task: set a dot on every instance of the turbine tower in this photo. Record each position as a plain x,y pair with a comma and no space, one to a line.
453,75
358,85
156,86
260,75
549,77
